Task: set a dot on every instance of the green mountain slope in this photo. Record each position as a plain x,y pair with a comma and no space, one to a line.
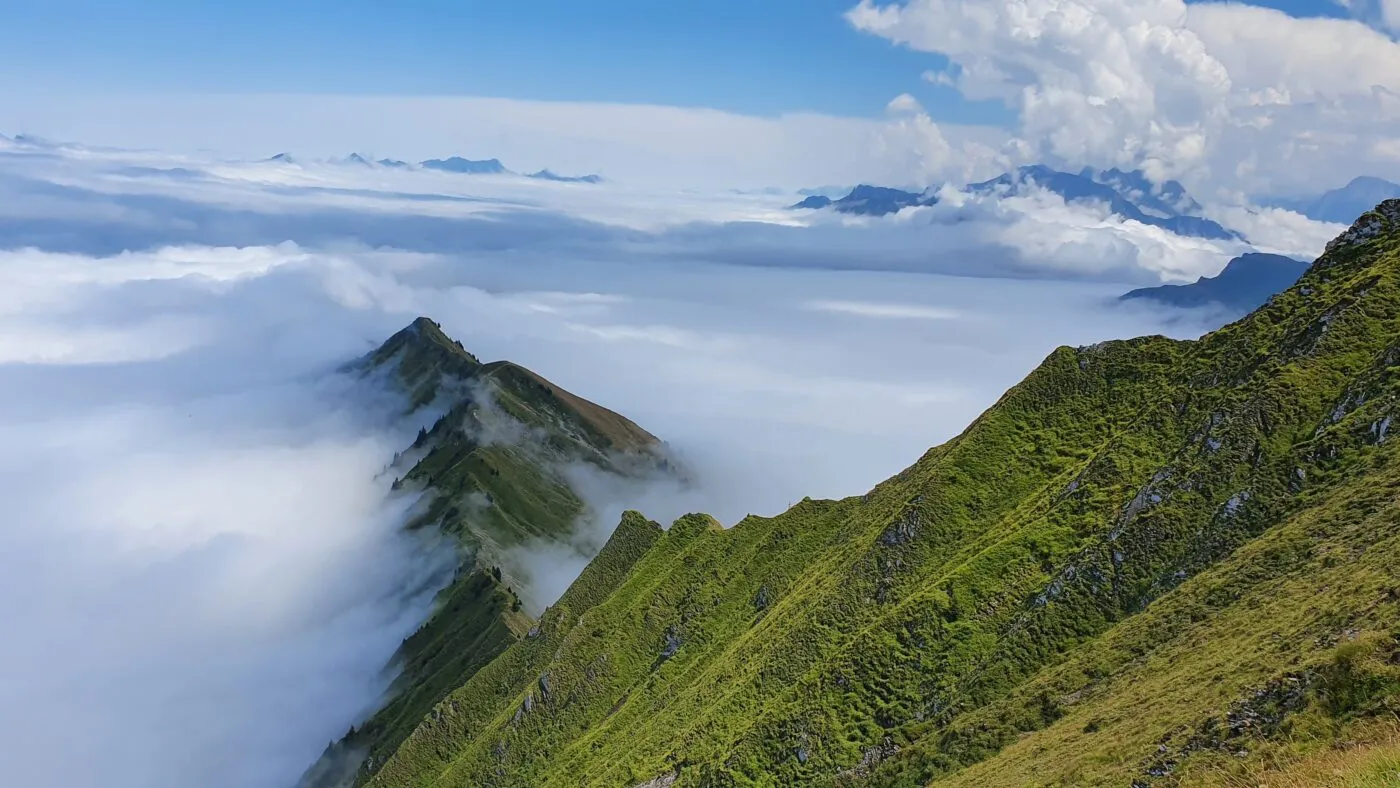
1152,562
490,471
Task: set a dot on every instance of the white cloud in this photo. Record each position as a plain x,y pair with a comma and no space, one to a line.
905,103
1277,230
1382,14
1219,94
943,78
894,311
658,145
189,564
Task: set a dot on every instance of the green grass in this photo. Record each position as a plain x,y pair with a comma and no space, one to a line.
490,473
1138,544
1355,756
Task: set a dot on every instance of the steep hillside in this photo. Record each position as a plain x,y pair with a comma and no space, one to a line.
1152,562
490,473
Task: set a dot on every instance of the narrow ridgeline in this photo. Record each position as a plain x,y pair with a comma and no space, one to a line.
1151,563
490,473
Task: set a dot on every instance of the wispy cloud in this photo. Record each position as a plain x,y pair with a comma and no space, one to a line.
1218,94
881,310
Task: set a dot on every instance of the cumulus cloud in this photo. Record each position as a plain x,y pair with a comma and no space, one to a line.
201,573
1382,14
1277,230
1214,93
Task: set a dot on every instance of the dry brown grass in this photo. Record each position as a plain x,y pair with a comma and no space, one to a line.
1371,763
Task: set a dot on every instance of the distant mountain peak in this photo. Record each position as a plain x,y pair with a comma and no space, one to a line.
549,175
1167,198
458,164
1368,180
867,200
1245,283
1343,205
281,158
33,140
1130,195
814,202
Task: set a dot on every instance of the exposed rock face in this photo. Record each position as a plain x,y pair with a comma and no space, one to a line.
1384,219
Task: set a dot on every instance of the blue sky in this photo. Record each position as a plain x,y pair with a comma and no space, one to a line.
763,58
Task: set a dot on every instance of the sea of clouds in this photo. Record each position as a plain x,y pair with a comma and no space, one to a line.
201,576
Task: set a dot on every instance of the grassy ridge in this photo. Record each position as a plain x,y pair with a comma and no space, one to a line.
1137,547
489,471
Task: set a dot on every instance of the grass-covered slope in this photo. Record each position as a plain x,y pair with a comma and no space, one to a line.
1151,562
491,462
490,473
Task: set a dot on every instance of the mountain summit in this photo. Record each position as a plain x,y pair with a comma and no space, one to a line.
869,200
458,164
1152,562
1343,204
1245,283
1129,195
548,175
492,473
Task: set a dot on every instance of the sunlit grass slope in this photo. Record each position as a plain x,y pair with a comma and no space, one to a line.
1151,562
490,472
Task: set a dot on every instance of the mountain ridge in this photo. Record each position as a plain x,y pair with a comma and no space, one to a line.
1129,195
1245,283
488,471
1025,584
1343,204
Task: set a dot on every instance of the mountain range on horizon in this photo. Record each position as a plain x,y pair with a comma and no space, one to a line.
1342,204
1129,195
1153,562
452,164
